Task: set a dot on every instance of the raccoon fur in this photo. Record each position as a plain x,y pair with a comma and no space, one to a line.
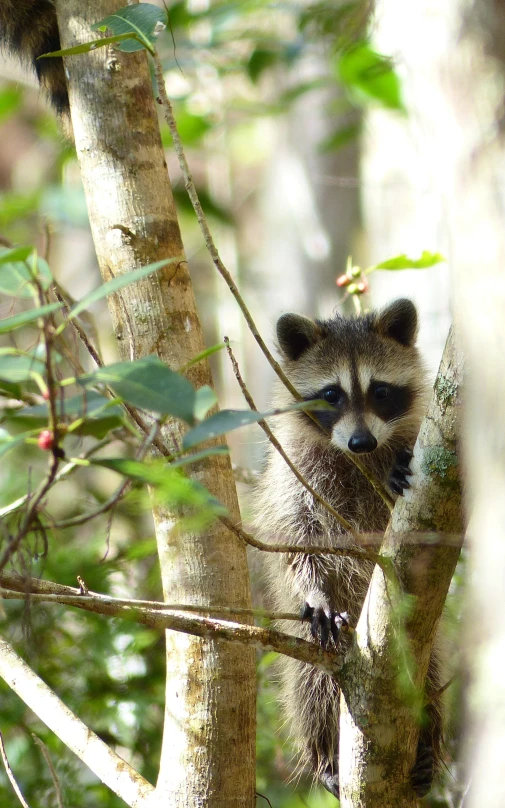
29,28
370,371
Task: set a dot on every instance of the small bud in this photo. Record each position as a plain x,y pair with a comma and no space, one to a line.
45,395
343,280
45,440
362,286
353,289
355,272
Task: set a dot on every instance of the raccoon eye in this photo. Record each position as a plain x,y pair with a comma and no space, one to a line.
381,392
333,395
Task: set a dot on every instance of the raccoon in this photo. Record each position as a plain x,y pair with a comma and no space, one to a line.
370,371
29,28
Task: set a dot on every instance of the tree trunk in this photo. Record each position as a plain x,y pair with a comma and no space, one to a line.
208,743
378,728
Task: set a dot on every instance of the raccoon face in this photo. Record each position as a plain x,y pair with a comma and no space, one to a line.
365,415
366,368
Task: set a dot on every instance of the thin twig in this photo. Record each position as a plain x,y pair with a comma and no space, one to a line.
436,695
225,274
62,296
202,221
304,549
56,453
118,494
275,443
10,774
62,474
45,751
60,594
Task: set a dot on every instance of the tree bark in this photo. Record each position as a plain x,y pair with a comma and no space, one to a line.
378,728
208,742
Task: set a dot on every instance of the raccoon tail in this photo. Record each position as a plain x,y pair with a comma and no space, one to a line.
29,28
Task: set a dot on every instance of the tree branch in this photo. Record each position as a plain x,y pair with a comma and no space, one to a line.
118,775
381,761
162,616
10,774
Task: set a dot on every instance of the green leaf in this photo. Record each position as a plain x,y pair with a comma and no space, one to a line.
11,323
14,254
18,268
173,487
427,259
15,367
142,20
100,415
14,207
369,76
88,403
191,127
220,423
203,355
228,420
86,47
10,99
141,549
340,138
259,61
10,390
205,399
195,458
135,27
148,384
8,442
118,283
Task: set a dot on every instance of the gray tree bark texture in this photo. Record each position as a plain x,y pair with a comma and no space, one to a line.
378,727
208,747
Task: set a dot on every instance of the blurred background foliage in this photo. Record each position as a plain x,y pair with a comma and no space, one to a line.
236,72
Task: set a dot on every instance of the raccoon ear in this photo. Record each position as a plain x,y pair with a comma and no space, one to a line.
399,322
296,334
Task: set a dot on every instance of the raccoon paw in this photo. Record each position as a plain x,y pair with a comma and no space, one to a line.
323,624
398,481
421,776
329,779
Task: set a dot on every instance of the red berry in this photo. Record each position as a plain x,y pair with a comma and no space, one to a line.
343,280
45,440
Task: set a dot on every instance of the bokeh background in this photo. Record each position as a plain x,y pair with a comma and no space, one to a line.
299,164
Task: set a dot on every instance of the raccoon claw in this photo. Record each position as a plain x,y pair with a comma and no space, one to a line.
329,779
322,625
421,776
319,623
398,481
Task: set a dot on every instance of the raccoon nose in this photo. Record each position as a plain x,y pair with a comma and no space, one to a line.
362,441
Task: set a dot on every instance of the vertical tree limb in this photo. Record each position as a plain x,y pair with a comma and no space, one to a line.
208,743
378,728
